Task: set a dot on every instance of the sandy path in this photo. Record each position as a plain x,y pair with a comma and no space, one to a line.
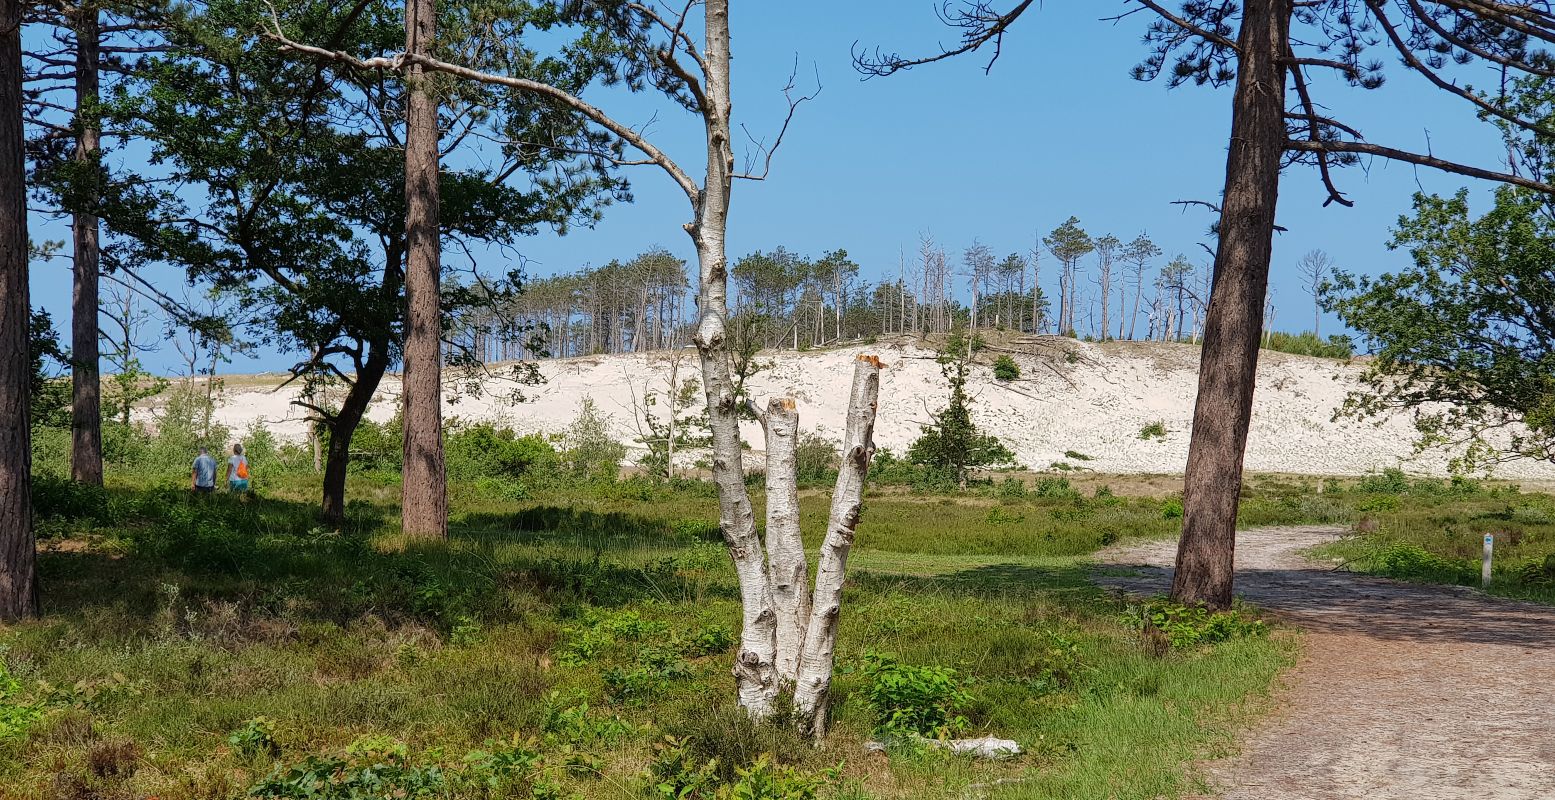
1404,691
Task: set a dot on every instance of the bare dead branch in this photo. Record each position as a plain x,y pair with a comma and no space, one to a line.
793,106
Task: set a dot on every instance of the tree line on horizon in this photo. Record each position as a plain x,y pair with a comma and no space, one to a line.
1108,290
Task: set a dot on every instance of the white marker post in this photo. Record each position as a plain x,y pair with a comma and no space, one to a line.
1484,569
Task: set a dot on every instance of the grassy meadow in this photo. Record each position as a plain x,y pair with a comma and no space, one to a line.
575,635
578,643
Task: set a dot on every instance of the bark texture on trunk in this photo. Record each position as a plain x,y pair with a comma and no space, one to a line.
86,414
343,427
1229,360
755,667
18,553
787,570
820,642
425,493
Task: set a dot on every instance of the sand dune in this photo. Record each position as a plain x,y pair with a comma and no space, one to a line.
1091,399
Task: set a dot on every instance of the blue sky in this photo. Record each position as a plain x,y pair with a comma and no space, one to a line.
1057,128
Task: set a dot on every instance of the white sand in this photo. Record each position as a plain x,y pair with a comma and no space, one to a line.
1095,405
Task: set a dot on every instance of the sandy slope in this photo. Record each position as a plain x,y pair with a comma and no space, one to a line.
1089,398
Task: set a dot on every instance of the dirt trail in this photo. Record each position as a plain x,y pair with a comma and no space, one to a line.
1404,691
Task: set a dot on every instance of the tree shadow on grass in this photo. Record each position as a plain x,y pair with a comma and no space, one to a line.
1330,601
1069,583
135,554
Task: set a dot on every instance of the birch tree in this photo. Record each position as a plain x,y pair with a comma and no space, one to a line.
695,76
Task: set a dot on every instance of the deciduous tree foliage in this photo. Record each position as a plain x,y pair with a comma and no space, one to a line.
1464,339
1267,50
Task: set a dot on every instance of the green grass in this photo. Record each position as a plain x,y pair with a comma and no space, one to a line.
1433,532
173,622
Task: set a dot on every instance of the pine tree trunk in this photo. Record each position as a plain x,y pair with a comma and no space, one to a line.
820,641
425,492
18,553
1229,360
787,571
86,439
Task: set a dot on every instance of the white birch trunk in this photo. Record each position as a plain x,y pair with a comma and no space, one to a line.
858,447
755,673
787,572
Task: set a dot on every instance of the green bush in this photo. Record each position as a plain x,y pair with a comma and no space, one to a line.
378,767
589,453
17,712
817,459
1054,487
1011,489
486,451
1388,481
379,445
1413,562
1155,430
1005,369
1307,343
914,700
255,737
1190,626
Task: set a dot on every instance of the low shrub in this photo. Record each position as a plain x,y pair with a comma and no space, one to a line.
1005,369
1413,562
1190,626
1388,481
914,700
816,459
1054,488
1155,430
1308,343
483,450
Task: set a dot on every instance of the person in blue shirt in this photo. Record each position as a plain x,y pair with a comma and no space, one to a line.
237,471
204,473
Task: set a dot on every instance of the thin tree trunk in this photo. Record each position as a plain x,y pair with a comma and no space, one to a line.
820,641
18,552
1139,289
1106,297
425,492
787,570
1229,360
755,671
86,436
341,429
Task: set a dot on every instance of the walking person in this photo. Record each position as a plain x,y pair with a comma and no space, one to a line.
237,471
203,475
